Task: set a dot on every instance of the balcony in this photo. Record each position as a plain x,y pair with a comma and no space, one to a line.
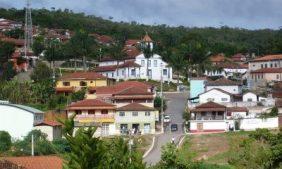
95,118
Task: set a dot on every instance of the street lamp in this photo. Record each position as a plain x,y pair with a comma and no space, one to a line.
162,102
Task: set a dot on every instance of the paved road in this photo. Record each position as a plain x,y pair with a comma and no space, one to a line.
175,106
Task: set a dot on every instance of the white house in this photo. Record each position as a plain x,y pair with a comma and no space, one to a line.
135,65
250,97
226,85
18,120
53,129
215,95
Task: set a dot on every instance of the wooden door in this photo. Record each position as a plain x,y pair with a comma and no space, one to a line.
200,126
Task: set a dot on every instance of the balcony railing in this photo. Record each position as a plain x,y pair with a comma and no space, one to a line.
208,118
88,118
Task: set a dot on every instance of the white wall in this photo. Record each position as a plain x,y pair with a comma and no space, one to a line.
216,95
230,89
16,121
47,130
248,96
141,118
252,124
209,125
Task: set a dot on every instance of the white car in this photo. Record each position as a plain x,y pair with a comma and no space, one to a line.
166,119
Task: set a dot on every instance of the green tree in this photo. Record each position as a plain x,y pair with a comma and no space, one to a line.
41,72
5,141
8,72
15,33
38,45
79,95
6,51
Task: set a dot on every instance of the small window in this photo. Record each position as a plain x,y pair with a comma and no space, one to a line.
78,112
277,77
249,99
66,83
122,72
271,65
91,111
155,63
265,65
149,63
142,62
91,81
210,99
275,65
133,72
134,113
261,66
121,114
147,113
83,83
104,112
165,72
112,74
229,113
224,99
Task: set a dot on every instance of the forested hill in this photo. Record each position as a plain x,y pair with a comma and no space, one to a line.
217,40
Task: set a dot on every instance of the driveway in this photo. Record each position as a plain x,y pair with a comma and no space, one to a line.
175,106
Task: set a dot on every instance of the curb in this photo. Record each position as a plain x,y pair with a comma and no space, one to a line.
151,148
181,141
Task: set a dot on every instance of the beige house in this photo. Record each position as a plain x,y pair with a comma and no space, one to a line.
53,129
136,118
268,61
263,76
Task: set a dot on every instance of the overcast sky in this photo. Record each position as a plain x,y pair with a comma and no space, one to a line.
250,14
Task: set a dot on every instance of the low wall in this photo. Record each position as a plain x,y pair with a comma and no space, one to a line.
209,125
254,123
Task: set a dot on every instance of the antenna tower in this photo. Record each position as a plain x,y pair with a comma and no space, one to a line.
28,41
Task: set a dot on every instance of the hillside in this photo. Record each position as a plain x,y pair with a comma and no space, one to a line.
226,40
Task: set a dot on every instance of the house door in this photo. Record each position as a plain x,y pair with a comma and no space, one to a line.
105,129
135,128
147,128
200,126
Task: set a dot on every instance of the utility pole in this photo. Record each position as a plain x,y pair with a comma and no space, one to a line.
162,100
32,145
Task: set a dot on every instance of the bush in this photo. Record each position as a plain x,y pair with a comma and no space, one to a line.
5,141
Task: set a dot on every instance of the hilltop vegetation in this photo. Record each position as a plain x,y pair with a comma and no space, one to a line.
216,40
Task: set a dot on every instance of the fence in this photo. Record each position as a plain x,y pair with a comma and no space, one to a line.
254,123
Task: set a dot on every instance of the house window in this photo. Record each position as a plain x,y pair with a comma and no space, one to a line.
261,66
149,63
265,65
275,65
277,77
122,72
66,83
112,74
155,63
78,112
271,65
147,113
83,83
249,99
91,111
210,99
142,63
104,112
165,72
134,113
224,99
121,114
133,72
229,113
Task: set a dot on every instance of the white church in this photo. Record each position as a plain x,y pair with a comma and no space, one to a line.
134,66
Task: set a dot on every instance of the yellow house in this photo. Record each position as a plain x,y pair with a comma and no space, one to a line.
94,112
75,81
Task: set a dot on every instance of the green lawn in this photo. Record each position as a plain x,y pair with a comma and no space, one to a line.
211,148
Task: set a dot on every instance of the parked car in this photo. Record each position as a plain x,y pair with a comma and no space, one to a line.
166,118
173,127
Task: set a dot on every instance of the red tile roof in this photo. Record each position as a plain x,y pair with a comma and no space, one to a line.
37,162
223,82
209,106
277,94
147,38
83,76
49,123
278,103
232,66
64,89
268,70
18,42
91,103
268,58
135,107
105,39
237,109
239,57
131,42
134,91
218,58
132,52
114,67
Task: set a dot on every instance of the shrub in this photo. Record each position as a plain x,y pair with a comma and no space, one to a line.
5,141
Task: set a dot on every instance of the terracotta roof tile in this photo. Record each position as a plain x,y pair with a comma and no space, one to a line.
237,109
209,106
49,123
223,82
135,107
114,67
268,70
268,58
91,103
278,103
83,75
64,89
37,162
131,42
218,58
134,91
